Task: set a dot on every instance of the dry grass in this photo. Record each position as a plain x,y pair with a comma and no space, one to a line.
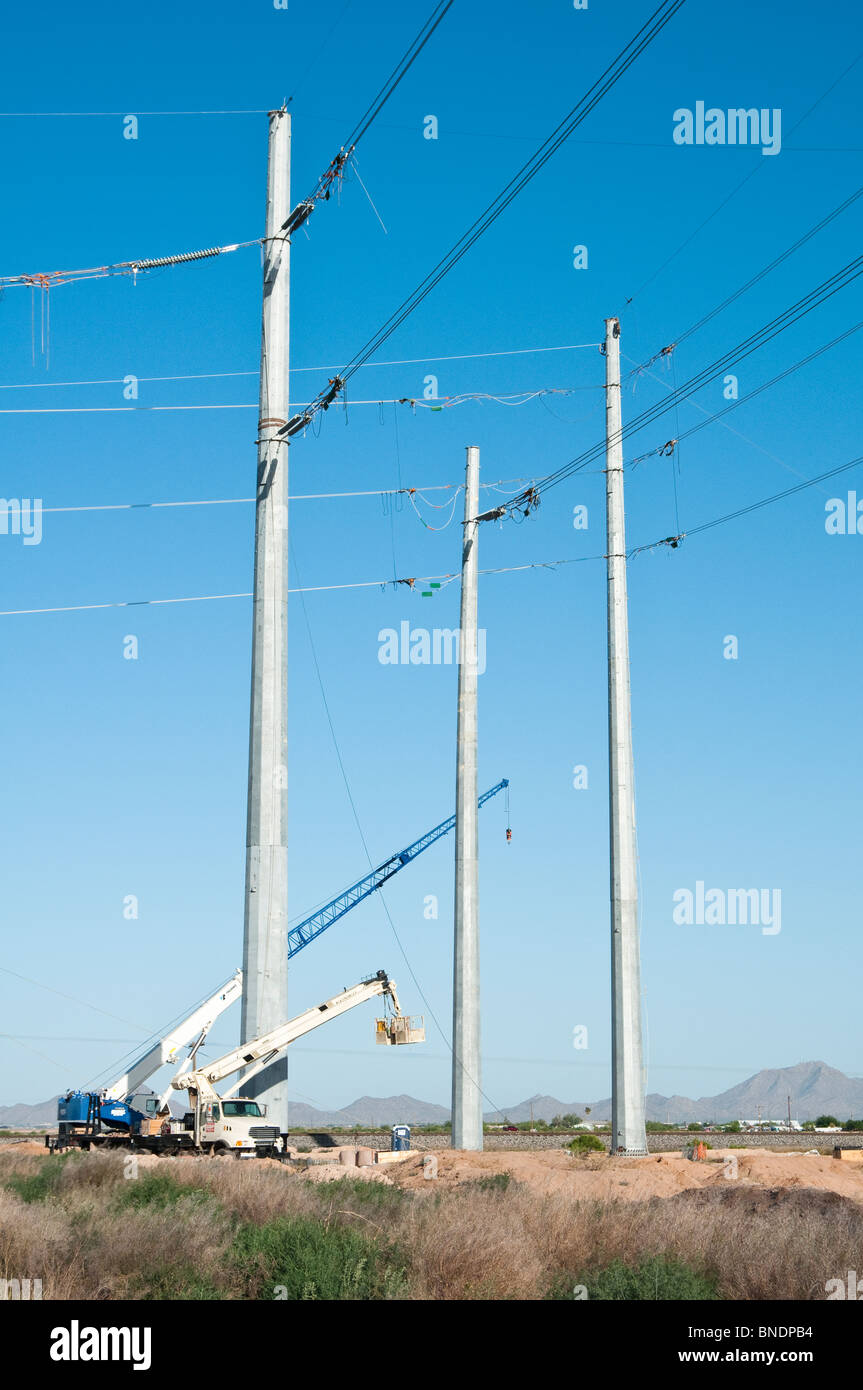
88,1232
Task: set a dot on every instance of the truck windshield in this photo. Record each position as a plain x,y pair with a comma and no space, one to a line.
241,1107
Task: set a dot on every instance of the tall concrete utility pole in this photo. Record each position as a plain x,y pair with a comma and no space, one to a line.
628,1133
265,948
466,1094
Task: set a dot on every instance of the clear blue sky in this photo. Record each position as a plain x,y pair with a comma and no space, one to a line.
129,777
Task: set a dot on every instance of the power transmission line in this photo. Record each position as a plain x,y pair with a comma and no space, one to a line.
258,111
323,47
294,497
408,58
807,236
335,169
321,192
45,280
400,362
627,56
756,391
514,398
409,583
840,280
73,997
674,541
754,170
776,497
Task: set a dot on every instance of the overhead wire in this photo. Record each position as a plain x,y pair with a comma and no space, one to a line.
407,582
448,578
380,895
214,376
725,201
714,417
257,111
841,279
46,280
450,519
356,170
612,74
775,497
153,1036
72,997
718,415
433,403
322,49
675,541
25,1047
405,62
293,497
783,256
334,172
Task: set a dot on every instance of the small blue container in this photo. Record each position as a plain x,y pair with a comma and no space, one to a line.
74,1108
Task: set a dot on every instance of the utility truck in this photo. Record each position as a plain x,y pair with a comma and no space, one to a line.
220,1124
120,1111
123,1114
228,1123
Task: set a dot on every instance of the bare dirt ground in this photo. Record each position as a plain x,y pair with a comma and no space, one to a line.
638,1179
594,1177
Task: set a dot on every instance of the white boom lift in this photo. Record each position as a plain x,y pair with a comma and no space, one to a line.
226,1123
191,1031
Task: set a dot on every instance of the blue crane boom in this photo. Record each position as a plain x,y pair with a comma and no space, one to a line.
306,931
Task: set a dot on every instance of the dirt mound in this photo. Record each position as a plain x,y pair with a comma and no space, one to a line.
756,1201
335,1172
758,1172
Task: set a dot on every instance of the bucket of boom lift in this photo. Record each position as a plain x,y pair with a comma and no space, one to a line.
393,1032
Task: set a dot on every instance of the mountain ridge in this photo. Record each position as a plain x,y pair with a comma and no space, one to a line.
814,1087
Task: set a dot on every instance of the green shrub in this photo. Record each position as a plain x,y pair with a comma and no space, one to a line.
311,1259
585,1144
43,1184
374,1196
171,1282
656,1279
158,1190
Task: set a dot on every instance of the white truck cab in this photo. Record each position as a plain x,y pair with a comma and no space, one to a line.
231,1123
233,1126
